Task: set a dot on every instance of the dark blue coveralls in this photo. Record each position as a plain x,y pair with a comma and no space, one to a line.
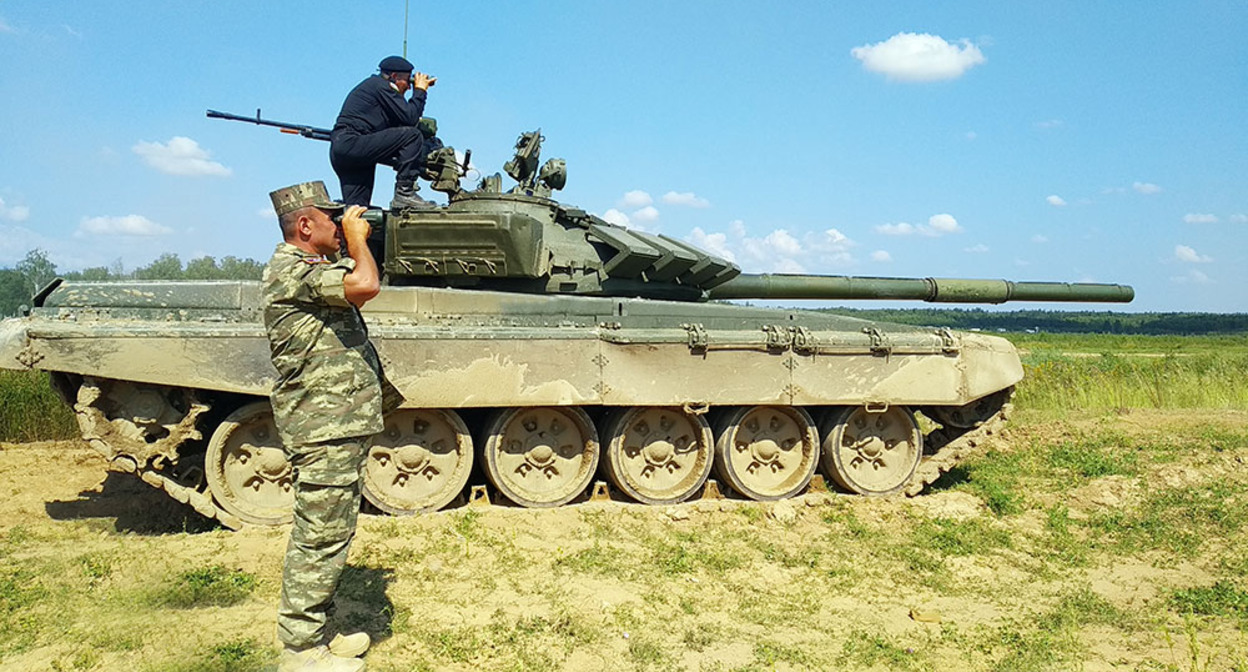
376,125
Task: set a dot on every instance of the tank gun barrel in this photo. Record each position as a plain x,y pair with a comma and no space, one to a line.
932,290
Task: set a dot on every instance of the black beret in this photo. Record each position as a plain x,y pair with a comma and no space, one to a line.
395,64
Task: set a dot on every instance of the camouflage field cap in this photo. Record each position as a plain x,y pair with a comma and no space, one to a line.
303,195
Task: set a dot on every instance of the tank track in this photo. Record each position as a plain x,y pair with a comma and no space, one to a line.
951,446
141,430
146,449
201,502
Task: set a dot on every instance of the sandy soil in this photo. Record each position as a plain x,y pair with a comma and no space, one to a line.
509,565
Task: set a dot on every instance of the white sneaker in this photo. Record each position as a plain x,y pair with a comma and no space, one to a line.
349,646
317,659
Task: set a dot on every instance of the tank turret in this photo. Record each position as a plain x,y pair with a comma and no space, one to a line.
522,240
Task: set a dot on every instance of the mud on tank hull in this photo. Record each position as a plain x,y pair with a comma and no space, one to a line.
533,395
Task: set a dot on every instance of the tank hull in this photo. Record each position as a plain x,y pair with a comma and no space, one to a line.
170,381
447,348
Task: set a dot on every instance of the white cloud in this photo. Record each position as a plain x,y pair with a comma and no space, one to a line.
1193,277
976,249
942,224
266,212
635,199
834,238
780,251
971,135
1055,201
1039,239
911,57
616,217
898,229
1200,218
14,213
881,256
129,225
6,28
1189,255
783,242
686,198
937,225
1146,188
645,215
716,243
1239,219
1051,123
180,156
788,265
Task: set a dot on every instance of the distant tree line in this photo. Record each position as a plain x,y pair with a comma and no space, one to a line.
1057,321
28,276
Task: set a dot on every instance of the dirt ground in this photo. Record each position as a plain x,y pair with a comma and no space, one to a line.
707,585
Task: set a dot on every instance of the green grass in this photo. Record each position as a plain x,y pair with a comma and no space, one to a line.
876,651
949,537
213,586
1179,520
240,655
1110,381
1130,343
994,479
1087,459
1221,599
30,410
1049,639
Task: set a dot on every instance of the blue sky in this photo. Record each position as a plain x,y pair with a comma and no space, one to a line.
1065,141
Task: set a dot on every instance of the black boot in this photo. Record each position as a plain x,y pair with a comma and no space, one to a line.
405,196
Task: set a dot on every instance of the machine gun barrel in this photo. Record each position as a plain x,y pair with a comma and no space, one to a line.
294,129
932,290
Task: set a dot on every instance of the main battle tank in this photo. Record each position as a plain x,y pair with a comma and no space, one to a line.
537,346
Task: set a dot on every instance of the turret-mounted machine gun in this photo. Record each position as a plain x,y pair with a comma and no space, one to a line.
442,169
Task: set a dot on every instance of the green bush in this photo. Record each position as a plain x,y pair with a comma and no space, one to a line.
30,410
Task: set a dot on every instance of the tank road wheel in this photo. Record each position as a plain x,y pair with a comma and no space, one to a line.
658,455
766,452
419,462
871,453
247,469
541,457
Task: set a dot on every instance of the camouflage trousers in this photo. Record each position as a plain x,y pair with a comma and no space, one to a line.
327,503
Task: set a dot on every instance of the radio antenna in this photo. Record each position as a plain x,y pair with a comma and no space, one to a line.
406,6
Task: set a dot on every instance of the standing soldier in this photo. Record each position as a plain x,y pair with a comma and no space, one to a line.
328,401
376,125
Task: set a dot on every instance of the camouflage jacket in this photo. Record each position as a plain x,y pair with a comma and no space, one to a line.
329,378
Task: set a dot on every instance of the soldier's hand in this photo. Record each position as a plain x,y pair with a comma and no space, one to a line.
354,227
422,81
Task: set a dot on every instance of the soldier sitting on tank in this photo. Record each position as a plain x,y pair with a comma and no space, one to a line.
328,401
377,125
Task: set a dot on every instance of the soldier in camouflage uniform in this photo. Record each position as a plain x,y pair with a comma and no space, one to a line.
328,401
